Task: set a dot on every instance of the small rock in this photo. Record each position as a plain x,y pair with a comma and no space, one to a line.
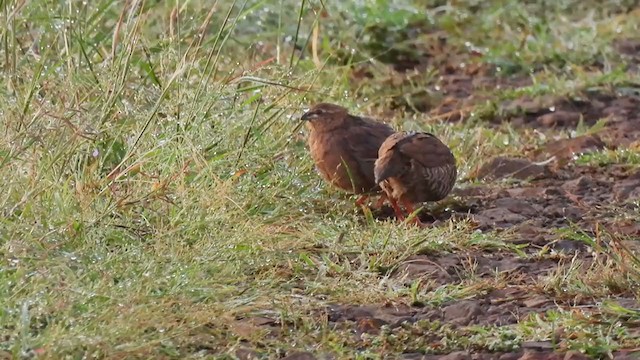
488,266
627,102
564,212
526,192
348,312
532,233
627,189
476,190
552,192
624,133
245,353
510,356
536,355
634,176
498,216
462,313
628,228
539,345
575,355
263,321
370,325
458,355
626,355
418,267
413,356
246,328
579,185
503,167
498,296
529,106
299,355
559,118
395,315
615,112
516,206
536,301
567,246
628,46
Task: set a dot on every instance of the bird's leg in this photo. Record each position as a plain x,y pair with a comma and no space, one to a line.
380,201
415,220
396,209
361,200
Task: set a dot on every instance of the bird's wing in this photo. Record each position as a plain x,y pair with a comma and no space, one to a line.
426,149
390,162
364,143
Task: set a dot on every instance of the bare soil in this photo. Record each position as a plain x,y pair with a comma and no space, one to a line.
547,192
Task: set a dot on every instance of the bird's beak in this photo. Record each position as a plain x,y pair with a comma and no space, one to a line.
309,115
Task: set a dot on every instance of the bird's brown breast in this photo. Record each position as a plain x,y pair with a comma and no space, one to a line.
345,147
337,164
345,155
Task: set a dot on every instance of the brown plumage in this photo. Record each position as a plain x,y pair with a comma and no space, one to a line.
345,147
414,167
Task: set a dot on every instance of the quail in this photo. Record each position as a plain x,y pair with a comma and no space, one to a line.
414,167
345,147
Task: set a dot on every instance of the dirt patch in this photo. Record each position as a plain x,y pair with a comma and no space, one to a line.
467,87
537,351
620,109
502,306
502,167
456,92
299,355
531,351
566,149
463,82
628,46
517,296
428,72
629,49
534,212
532,198
558,198
497,307
454,268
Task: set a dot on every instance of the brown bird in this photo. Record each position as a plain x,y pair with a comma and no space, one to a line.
414,167
345,148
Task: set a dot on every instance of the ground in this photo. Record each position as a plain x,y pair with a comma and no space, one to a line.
159,200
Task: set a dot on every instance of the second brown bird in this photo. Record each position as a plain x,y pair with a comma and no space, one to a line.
345,147
414,167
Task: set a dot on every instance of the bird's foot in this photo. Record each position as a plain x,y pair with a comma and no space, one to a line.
380,201
396,209
413,215
417,222
361,200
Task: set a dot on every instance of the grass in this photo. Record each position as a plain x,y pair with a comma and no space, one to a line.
158,195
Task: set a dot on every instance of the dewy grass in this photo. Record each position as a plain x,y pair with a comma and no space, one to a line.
158,200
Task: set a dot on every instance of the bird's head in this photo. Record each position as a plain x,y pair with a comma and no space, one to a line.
325,115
